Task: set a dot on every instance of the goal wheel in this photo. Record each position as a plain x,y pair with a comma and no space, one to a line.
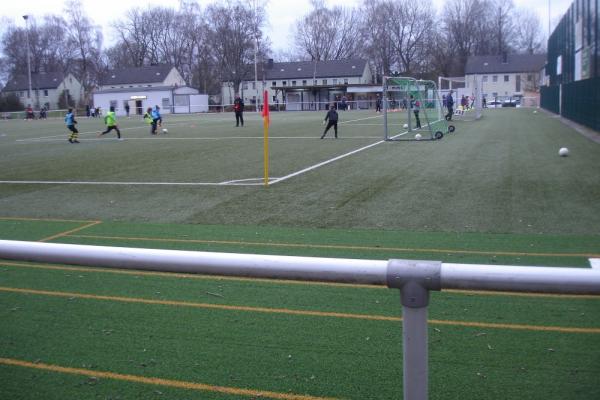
447,118
439,135
451,128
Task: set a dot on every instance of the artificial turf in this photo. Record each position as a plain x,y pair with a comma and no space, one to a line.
495,192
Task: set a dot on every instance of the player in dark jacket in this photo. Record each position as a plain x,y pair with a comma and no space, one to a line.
238,108
332,117
449,105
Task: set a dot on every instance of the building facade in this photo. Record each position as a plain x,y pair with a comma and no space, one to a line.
137,89
46,89
307,85
506,76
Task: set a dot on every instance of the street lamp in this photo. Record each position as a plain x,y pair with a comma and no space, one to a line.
26,18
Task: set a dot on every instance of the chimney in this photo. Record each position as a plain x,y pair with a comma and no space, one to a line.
270,64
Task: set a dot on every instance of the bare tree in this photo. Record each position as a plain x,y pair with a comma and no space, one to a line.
232,32
328,34
85,40
529,37
412,30
376,35
502,26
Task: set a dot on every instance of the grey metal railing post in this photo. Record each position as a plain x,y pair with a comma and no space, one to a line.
414,279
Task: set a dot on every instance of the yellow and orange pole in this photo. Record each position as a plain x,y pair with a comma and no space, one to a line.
266,123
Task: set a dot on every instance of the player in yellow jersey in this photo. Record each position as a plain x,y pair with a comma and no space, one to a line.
111,123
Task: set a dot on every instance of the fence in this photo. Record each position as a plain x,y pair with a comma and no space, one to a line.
414,279
578,101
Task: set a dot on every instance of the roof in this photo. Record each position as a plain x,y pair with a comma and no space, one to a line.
142,89
128,76
45,80
514,63
319,69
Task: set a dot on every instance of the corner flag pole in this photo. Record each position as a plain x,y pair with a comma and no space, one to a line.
266,122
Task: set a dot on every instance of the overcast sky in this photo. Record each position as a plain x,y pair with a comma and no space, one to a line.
282,13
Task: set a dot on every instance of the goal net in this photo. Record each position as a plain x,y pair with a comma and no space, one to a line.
412,110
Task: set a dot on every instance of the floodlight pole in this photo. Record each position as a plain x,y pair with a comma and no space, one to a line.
26,18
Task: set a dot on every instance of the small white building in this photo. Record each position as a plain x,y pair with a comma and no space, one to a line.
144,87
46,87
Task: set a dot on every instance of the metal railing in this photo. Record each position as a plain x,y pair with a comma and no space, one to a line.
415,279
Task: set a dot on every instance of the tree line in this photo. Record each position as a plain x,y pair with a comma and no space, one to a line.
220,42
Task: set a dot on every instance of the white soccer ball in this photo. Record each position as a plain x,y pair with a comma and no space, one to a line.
165,130
535,111
418,136
563,152
405,126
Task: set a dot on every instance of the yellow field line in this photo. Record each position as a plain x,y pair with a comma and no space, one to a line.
70,231
339,247
276,281
41,219
160,381
296,312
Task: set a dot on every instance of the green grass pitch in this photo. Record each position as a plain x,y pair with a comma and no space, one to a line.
494,192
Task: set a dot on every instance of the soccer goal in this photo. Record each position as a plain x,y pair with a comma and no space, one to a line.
468,95
412,110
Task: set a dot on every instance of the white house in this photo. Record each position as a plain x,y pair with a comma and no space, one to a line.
143,87
510,75
307,85
46,87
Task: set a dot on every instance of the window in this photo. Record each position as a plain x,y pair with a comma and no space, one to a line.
506,78
346,81
245,86
335,81
21,94
45,92
283,83
485,78
495,78
304,83
113,103
166,103
529,78
293,83
315,82
253,85
274,83
324,81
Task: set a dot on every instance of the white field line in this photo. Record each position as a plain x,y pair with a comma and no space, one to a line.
239,182
231,183
302,171
201,138
595,263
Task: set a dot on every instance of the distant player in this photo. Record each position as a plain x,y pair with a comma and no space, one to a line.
449,106
111,123
238,108
150,121
378,104
332,117
70,122
416,107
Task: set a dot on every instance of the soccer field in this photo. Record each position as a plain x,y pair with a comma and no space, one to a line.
494,192
501,174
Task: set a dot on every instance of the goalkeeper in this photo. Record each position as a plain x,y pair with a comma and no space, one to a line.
332,117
